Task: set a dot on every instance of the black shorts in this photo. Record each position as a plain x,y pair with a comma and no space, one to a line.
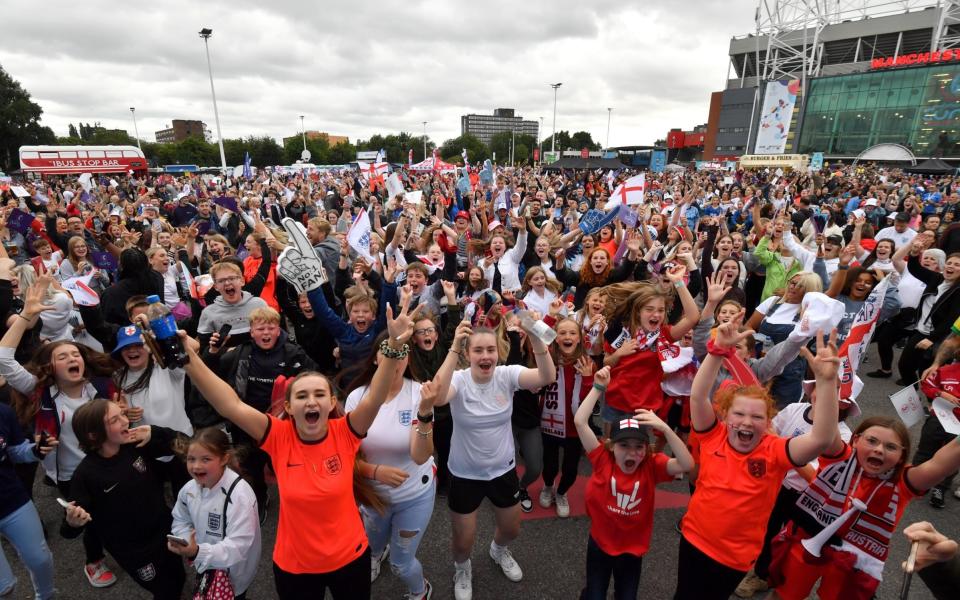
466,495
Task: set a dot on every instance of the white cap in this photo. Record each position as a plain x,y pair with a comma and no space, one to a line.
892,215
68,195
870,202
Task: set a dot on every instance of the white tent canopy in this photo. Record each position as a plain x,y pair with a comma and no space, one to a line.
887,153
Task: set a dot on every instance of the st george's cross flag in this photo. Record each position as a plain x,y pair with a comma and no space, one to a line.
631,191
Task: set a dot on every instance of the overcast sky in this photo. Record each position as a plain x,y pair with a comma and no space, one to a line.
359,68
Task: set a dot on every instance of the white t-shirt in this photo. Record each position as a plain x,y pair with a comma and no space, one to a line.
793,421
535,301
162,401
482,445
900,239
388,442
783,315
911,289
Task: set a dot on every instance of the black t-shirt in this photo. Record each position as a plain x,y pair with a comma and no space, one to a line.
124,495
14,495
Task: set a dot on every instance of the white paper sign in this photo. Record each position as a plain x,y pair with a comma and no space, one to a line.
358,237
79,288
85,182
413,197
394,186
908,405
728,181
18,191
947,413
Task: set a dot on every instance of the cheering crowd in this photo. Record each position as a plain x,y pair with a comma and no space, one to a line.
375,350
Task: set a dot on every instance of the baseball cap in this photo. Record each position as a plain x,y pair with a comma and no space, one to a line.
629,429
463,214
870,202
127,336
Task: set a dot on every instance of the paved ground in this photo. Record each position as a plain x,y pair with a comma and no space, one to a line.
551,551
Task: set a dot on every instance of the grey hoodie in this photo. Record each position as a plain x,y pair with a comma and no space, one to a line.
328,251
218,314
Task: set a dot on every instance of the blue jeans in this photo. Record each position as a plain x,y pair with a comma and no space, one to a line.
23,529
403,525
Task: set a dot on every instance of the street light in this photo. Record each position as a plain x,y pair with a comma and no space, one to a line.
205,33
540,140
303,132
609,113
553,143
136,132
424,140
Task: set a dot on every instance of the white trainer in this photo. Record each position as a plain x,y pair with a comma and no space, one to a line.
462,583
508,564
546,496
563,506
376,562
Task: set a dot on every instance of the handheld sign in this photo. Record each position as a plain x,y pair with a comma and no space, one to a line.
299,263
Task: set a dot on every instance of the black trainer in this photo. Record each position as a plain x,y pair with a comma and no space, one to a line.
526,504
880,374
936,498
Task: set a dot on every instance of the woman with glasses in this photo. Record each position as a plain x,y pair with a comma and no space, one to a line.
773,321
869,478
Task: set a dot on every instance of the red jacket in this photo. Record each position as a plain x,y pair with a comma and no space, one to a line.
944,379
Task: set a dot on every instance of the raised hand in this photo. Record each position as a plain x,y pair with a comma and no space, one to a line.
401,325
33,303
299,263
650,419
585,366
826,363
717,288
675,274
428,396
602,377
139,436
729,334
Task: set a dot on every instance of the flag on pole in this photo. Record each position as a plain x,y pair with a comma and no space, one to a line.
466,163
381,156
247,171
908,405
358,236
858,340
631,191
410,157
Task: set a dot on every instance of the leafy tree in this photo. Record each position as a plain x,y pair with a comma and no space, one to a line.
397,146
343,153
19,122
319,150
500,145
452,149
73,131
583,139
563,142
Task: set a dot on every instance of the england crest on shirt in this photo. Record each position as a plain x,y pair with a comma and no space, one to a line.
406,417
140,466
146,572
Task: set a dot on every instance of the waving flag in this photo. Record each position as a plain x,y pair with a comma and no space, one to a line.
247,171
358,236
466,163
855,346
410,157
631,191
486,174
381,156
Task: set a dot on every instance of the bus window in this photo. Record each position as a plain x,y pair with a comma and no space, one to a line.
82,154
49,155
114,154
95,153
30,154
130,154
64,154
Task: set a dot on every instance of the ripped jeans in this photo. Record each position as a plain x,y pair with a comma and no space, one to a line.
403,525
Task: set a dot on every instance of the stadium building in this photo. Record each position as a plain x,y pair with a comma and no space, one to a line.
839,78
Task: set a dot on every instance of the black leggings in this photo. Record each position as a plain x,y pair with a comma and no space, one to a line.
624,568
932,438
913,361
352,580
442,434
551,461
158,571
92,546
779,516
699,577
889,333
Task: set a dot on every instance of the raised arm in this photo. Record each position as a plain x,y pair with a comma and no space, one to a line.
702,415
221,396
546,371
824,437
926,475
581,420
691,314
400,330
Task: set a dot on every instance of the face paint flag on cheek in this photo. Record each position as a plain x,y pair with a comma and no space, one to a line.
299,264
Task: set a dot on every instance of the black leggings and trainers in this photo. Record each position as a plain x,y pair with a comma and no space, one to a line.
351,581
551,461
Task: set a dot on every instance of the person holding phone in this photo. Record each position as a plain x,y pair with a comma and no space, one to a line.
215,524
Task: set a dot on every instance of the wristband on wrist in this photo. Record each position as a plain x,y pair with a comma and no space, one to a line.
600,388
715,350
24,318
375,472
843,267
428,418
394,353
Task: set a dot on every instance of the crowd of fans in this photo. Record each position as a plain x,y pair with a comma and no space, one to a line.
483,318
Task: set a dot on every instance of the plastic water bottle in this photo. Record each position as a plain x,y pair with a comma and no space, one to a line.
164,328
544,332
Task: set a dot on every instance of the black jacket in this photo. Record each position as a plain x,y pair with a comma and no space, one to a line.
946,309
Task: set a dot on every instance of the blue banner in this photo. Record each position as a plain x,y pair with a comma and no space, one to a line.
816,161
658,161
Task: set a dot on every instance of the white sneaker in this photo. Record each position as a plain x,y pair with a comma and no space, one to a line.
462,583
563,506
508,564
376,562
546,497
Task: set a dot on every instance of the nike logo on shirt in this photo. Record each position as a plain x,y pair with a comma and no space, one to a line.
294,465
110,489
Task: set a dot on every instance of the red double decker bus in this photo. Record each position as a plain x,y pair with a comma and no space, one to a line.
63,160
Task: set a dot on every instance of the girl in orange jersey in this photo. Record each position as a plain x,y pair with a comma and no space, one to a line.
742,467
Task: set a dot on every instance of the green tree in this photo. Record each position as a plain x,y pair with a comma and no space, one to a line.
19,122
73,131
343,153
396,146
319,150
452,149
583,139
563,142
500,145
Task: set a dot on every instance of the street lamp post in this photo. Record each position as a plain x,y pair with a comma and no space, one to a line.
424,140
553,142
303,132
513,143
540,139
136,132
205,33
609,113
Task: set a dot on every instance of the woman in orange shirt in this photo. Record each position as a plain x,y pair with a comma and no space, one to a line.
742,466
251,264
321,541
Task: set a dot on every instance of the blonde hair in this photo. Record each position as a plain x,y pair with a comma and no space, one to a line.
810,282
551,284
264,314
224,264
